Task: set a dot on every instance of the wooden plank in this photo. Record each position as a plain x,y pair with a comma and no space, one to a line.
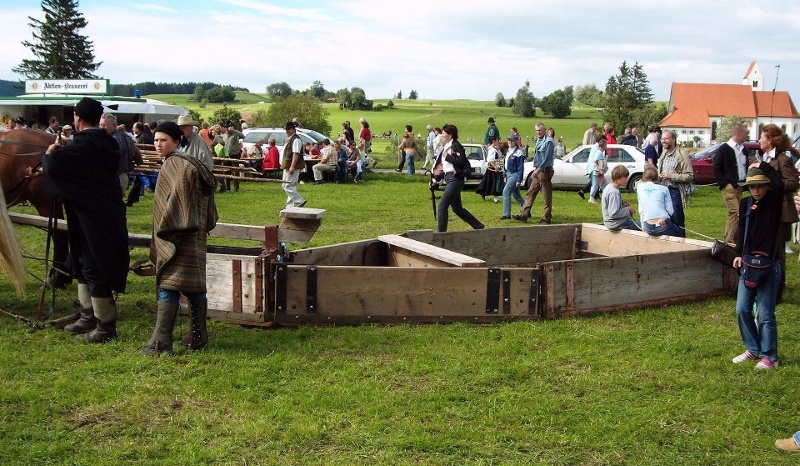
620,282
599,240
236,231
302,213
521,246
356,253
439,255
224,291
35,220
297,230
361,295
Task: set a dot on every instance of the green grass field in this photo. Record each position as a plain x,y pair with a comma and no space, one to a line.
639,387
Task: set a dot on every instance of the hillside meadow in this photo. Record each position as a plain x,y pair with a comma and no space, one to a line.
468,115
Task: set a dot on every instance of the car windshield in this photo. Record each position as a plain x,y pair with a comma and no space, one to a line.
254,136
314,135
704,153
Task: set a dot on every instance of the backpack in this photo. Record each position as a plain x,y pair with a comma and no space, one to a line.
601,166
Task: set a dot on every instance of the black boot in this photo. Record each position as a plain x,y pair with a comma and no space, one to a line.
104,332
84,324
161,341
197,339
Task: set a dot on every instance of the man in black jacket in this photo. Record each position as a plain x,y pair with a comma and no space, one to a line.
84,175
730,169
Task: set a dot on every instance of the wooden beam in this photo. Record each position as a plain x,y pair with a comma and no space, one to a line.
418,252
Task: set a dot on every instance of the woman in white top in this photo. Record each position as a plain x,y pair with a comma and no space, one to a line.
655,206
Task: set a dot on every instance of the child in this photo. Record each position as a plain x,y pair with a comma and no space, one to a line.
617,215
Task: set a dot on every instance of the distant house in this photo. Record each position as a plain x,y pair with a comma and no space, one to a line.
695,109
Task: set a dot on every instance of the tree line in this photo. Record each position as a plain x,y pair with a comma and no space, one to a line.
626,101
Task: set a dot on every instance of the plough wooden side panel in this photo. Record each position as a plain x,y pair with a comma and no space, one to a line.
598,240
601,284
357,253
513,246
391,294
236,287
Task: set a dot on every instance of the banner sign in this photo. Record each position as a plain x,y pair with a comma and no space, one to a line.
66,86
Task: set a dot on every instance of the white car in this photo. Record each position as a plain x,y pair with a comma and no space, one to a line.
251,135
570,172
476,154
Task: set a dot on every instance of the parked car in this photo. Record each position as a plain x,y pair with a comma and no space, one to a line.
251,135
476,153
570,172
703,161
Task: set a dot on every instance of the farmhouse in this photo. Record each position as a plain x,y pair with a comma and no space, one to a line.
695,109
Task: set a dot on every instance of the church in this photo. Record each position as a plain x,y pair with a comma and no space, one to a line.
695,109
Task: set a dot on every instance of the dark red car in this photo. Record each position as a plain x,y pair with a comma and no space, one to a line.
703,161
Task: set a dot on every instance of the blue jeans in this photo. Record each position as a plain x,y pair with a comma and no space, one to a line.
410,162
173,296
452,197
677,204
759,335
669,229
596,184
630,224
511,189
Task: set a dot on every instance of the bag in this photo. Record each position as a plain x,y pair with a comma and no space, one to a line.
756,268
723,253
219,149
134,154
601,166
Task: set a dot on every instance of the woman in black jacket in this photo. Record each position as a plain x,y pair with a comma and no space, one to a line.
456,168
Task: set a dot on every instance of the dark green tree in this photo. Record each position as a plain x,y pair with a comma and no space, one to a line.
220,94
226,114
318,91
559,103
305,107
279,90
589,95
523,103
344,98
500,100
412,95
399,95
627,95
61,51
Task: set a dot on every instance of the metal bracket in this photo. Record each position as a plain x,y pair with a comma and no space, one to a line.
493,291
281,272
506,292
311,289
533,297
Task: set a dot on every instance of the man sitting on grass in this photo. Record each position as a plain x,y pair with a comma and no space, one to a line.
617,215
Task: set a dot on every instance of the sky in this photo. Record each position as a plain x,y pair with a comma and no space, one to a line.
442,49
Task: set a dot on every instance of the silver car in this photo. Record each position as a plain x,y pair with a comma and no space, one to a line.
570,172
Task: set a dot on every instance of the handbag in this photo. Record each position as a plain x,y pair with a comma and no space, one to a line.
756,268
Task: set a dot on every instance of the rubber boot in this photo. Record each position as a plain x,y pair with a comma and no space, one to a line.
197,339
84,324
161,341
105,316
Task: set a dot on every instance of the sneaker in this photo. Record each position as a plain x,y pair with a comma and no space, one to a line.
496,200
766,364
302,203
787,444
582,194
592,200
544,221
747,355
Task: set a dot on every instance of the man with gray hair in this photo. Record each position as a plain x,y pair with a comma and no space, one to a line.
676,173
193,144
541,178
109,123
730,170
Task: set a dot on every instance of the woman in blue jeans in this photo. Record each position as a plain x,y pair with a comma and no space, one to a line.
455,166
655,206
513,170
598,153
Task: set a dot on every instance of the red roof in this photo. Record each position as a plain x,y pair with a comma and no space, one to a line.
692,104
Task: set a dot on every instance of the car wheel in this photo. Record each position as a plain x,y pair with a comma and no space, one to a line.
634,181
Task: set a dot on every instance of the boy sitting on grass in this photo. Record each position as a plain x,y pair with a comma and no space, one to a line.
617,215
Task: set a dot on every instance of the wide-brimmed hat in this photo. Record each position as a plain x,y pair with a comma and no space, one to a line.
755,176
187,120
290,125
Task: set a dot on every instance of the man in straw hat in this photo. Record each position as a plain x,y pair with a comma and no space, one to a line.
193,144
84,175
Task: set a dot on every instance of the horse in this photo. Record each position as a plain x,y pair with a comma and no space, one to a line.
21,152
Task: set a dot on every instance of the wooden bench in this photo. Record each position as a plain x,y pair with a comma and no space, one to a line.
406,252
